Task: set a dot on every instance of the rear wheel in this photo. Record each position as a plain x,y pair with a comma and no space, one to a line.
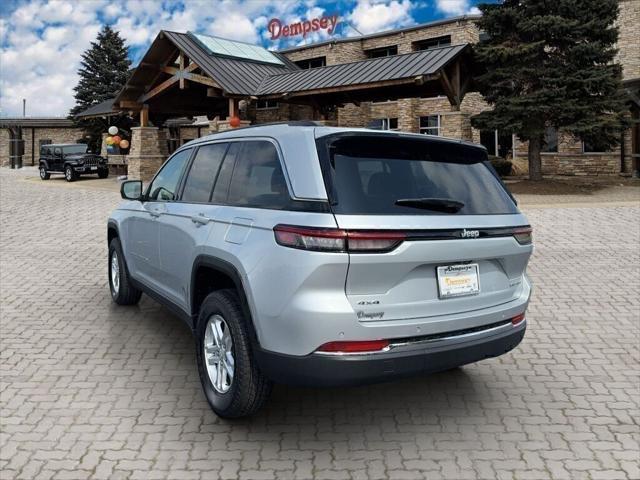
122,291
232,382
69,173
44,175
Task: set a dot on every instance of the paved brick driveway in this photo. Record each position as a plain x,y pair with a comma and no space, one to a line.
89,389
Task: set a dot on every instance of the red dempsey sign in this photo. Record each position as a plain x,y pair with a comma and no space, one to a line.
277,30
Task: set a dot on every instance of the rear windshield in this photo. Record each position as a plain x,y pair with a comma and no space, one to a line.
72,149
384,175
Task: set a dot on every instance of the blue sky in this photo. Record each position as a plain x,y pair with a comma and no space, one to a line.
41,40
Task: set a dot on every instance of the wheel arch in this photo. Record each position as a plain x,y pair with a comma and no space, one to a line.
112,231
210,274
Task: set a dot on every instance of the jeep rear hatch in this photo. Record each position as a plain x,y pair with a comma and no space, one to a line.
430,228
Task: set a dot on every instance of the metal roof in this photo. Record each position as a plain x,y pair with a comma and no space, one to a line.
396,67
101,109
47,122
386,33
236,76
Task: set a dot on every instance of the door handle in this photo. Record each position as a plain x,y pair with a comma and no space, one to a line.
200,220
154,213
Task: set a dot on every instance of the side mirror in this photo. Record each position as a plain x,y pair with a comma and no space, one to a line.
131,190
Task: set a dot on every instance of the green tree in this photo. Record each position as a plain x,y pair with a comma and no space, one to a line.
104,69
550,63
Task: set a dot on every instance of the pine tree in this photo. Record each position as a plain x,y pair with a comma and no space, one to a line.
550,63
104,69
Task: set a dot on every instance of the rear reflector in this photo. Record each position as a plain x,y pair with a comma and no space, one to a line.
517,319
354,347
524,235
337,240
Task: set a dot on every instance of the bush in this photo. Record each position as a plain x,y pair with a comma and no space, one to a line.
502,166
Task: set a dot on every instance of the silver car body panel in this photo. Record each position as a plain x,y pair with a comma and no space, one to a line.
302,299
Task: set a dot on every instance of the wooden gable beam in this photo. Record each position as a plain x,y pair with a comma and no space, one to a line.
158,89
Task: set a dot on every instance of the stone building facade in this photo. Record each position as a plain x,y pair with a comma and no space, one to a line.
570,157
36,131
435,115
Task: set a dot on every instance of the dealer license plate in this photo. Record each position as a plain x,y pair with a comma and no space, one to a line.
94,168
458,280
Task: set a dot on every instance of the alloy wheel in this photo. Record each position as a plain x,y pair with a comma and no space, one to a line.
218,354
115,273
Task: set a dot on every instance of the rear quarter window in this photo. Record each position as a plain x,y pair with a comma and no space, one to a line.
258,179
381,174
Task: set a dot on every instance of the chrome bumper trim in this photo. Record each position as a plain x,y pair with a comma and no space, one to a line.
452,340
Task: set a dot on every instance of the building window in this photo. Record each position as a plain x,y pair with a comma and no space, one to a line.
550,144
497,143
266,104
432,43
383,124
430,125
312,63
382,52
595,145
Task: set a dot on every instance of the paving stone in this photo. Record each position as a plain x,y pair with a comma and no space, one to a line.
92,390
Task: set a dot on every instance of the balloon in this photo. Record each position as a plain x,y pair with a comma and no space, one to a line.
234,122
109,140
124,143
113,130
116,140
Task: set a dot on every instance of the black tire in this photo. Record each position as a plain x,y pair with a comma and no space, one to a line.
69,173
103,173
249,389
44,175
124,293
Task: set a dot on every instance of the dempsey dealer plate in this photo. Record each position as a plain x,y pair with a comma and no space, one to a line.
458,280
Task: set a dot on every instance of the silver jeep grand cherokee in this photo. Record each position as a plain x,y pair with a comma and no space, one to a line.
312,255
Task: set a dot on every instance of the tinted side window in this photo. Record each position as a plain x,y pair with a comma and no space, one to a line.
258,180
164,186
203,172
221,189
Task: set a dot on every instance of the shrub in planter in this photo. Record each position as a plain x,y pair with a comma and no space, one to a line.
502,166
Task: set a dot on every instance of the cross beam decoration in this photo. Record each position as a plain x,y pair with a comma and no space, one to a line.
179,75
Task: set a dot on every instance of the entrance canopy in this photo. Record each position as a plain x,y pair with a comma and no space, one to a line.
193,74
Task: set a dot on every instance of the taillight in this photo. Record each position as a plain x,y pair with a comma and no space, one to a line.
337,240
524,235
517,319
308,238
380,241
354,347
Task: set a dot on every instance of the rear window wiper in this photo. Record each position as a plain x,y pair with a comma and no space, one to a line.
446,205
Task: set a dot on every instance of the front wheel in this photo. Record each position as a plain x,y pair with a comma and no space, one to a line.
44,175
122,291
232,382
103,173
69,173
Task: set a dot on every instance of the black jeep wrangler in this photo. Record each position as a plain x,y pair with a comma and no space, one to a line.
72,159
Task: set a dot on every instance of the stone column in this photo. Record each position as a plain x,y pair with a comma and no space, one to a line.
103,145
456,125
407,115
148,152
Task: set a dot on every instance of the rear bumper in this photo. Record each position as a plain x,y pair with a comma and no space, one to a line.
419,357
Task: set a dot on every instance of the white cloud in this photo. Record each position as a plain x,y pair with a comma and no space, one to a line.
373,16
41,41
456,7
